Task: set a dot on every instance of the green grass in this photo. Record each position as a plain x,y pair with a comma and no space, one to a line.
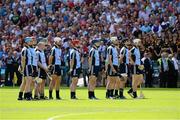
160,104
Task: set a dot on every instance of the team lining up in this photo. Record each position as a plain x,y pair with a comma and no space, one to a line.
35,69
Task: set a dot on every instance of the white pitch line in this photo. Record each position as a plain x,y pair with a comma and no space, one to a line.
74,114
77,114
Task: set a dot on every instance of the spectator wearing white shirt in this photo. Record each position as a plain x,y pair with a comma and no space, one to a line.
105,3
118,18
143,14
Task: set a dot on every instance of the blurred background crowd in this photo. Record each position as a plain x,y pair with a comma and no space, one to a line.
155,22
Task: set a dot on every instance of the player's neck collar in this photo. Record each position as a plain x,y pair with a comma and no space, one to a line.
112,45
39,49
95,47
26,46
75,48
56,46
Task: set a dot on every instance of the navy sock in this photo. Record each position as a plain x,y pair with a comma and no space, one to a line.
116,93
121,92
50,94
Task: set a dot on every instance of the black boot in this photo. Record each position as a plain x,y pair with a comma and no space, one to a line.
36,97
111,94
93,95
134,94
25,95
116,93
42,97
130,92
20,96
28,96
108,92
121,96
73,95
90,95
57,95
50,94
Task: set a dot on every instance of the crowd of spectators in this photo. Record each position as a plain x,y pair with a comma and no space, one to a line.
155,22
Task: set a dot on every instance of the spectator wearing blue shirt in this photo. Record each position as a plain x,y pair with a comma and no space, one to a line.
1,52
146,28
49,6
3,11
30,1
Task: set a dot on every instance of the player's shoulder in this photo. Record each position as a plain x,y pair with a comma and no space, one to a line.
53,48
123,48
92,49
24,48
38,51
109,47
133,49
72,51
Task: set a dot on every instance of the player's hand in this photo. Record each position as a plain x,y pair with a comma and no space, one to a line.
114,71
122,78
20,69
46,69
50,67
89,72
70,71
141,67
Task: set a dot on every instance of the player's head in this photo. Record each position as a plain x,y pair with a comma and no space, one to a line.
57,41
28,41
96,43
114,41
41,45
128,44
137,42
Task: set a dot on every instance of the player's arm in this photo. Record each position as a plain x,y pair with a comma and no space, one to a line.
23,59
51,57
110,60
42,67
72,56
90,59
122,53
40,64
130,58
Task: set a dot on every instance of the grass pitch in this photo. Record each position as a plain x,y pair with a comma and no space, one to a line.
160,104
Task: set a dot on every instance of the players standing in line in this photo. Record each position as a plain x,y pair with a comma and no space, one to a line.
123,70
43,69
26,68
113,64
137,68
94,66
55,66
75,66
